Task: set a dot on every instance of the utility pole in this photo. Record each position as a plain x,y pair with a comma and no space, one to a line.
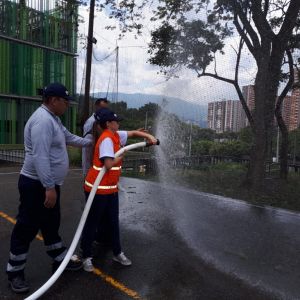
295,146
117,71
277,146
190,141
89,52
146,121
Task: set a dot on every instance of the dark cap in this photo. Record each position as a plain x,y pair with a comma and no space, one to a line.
101,100
56,90
103,115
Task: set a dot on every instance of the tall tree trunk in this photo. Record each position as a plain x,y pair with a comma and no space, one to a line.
284,147
278,113
256,172
266,86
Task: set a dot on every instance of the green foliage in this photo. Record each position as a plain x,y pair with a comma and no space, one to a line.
203,134
246,135
230,148
137,118
202,147
191,44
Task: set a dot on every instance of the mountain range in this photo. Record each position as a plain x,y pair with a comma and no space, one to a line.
186,111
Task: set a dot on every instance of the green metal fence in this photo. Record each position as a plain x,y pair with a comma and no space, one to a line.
51,23
37,46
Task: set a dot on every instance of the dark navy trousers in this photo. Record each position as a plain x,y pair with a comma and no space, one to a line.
32,217
102,206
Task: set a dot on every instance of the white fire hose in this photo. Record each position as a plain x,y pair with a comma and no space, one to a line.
85,213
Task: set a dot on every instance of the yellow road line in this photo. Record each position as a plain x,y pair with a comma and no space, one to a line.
8,218
118,285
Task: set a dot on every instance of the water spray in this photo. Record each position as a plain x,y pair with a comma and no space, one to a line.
82,221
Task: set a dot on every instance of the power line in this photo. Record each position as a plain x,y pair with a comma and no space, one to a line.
104,58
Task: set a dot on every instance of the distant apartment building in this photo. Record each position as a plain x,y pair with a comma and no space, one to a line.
290,106
225,116
293,106
229,115
287,111
216,116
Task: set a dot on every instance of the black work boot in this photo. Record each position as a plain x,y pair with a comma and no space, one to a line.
74,264
18,284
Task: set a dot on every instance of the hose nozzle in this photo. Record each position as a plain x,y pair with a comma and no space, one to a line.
150,144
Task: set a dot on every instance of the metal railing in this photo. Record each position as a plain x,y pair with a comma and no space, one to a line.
15,156
149,165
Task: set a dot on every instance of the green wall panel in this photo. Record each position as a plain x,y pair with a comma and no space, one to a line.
24,68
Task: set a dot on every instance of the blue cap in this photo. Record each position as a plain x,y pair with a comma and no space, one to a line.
56,90
103,115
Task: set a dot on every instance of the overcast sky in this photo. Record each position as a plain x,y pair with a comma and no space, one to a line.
138,76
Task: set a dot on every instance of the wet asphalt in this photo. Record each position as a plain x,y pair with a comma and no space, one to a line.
184,245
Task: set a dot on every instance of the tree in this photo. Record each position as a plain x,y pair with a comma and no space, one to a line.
186,38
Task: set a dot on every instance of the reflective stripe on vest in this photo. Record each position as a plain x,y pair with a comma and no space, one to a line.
113,168
102,187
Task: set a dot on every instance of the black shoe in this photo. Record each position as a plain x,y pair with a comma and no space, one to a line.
18,284
74,264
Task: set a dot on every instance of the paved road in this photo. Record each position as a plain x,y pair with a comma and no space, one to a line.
184,245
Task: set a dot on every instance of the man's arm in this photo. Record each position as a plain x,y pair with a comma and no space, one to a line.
77,141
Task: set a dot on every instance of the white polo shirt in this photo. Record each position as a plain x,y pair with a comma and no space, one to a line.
106,148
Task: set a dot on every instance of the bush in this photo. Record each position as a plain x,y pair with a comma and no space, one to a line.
230,148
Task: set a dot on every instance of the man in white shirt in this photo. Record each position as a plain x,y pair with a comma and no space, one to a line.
87,152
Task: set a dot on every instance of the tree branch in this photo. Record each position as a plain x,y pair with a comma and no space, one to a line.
289,21
246,24
260,21
238,59
216,76
288,85
244,35
237,87
266,7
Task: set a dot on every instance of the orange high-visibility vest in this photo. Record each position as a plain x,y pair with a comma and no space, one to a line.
109,182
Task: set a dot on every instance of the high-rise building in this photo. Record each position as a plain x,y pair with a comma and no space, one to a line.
38,45
216,116
294,118
287,111
290,105
225,116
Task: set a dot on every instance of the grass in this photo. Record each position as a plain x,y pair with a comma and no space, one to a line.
227,179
